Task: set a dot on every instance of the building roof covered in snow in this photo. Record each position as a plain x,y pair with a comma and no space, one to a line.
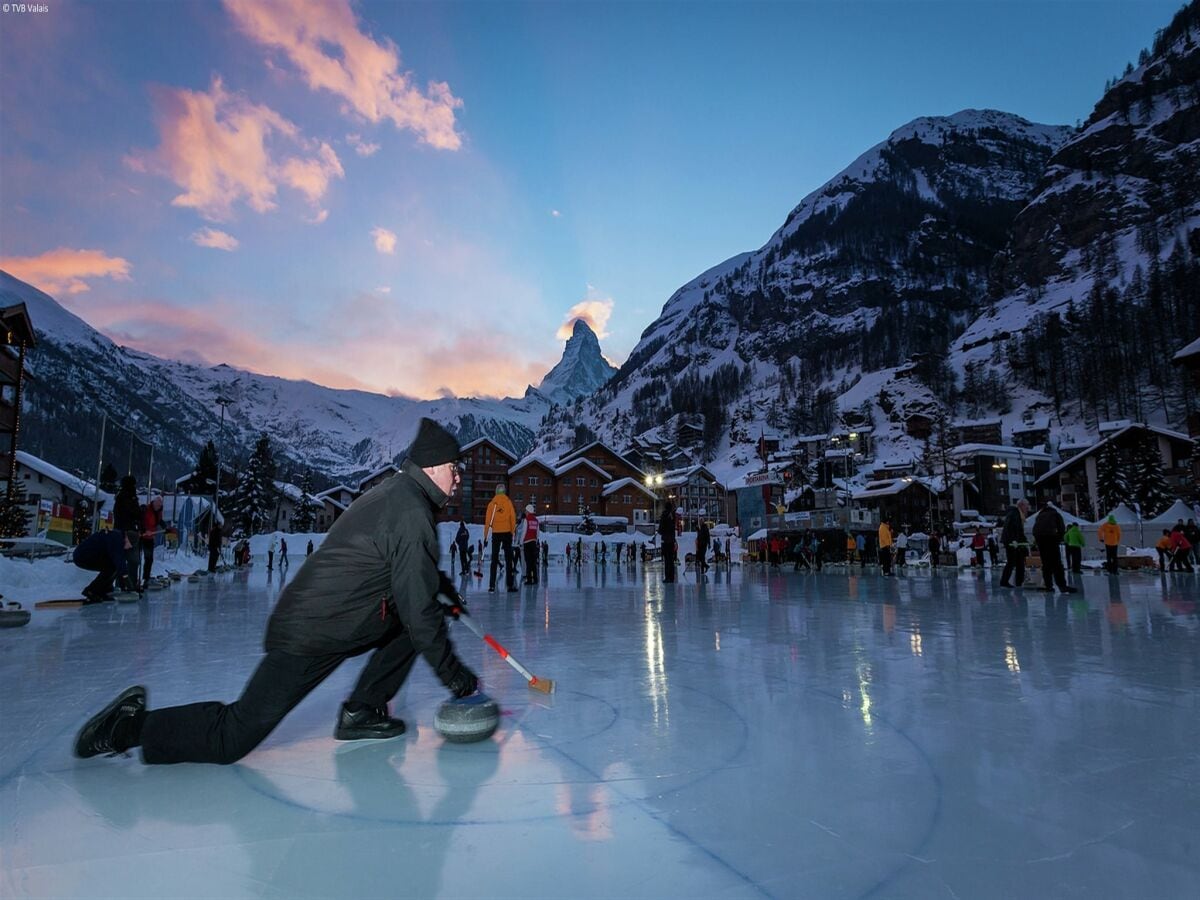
997,450
1109,438
71,482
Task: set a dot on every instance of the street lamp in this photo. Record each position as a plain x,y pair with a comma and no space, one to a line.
222,401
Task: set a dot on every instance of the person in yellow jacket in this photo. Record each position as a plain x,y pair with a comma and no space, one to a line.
885,547
1110,536
850,547
500,521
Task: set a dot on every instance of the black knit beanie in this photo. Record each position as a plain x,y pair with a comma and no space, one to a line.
433,445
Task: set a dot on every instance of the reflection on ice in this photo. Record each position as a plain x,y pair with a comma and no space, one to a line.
765,734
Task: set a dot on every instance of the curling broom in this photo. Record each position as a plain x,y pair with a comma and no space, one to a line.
545,685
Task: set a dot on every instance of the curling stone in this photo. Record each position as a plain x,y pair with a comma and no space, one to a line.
157,585
12,615
470,719
127,596
193,579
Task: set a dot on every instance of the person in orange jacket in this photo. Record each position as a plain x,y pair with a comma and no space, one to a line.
1164,550
885,547
1110,536
500,521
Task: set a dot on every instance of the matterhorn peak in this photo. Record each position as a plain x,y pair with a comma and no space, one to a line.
582,369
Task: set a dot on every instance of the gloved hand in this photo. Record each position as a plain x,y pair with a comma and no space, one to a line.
464,684
449,598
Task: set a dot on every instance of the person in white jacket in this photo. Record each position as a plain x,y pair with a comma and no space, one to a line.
271,547
901,547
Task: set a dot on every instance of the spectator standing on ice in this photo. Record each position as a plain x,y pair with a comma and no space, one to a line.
271,548
1015,545
993,550
1110,537
901,547
283,561
666,536
1074,540
214,544
127,517
702,537
500,521
528,538
152,518
309,550
1048,533
462,540
885,547
978,546
935,546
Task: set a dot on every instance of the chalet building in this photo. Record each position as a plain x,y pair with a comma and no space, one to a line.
16,339
606,459
630,498
1001,475
579,484
918,425
978,431
485,465
532,481
696,493
1034,435
377,477
1075,480
43,481
907,502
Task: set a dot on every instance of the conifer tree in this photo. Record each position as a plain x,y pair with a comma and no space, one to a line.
254,495
14,517
1149,485
1112,480
305,515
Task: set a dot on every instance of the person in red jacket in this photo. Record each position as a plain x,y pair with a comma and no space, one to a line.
1181,549
152,517
528,536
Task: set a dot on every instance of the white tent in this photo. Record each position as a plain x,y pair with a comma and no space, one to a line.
1069,519
1123,514
1178,510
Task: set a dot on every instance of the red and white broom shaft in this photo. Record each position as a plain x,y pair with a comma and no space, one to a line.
498,647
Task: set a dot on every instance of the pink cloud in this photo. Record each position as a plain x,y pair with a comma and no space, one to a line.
62,271
218,240
323,40
595,310
221,150
361,147
385,241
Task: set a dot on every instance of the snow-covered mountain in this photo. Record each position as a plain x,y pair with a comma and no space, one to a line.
970,265
582,370
79,373
886,260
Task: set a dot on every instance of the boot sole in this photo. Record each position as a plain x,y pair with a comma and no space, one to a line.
89,729
353,734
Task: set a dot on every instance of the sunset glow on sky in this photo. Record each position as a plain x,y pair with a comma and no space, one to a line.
421,197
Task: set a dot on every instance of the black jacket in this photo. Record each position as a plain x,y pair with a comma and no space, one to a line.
463,537
666,526
102,550
376,570
1049,525
1014,528
126,512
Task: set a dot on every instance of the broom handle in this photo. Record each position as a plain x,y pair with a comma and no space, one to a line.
495,645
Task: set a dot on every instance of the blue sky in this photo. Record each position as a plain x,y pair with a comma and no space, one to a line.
416,198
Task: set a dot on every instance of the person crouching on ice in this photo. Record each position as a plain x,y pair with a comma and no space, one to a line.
373,586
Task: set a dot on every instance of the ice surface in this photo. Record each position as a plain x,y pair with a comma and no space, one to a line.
766,733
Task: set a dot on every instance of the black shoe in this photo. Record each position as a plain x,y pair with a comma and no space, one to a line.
1005,584
97,736
1070,590
492,589
1046,590
365,723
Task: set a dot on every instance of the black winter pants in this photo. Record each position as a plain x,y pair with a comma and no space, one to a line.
668,554
224,733
1110,558
1075,559
1052,567
147,560
530,549
501,544
1014,562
